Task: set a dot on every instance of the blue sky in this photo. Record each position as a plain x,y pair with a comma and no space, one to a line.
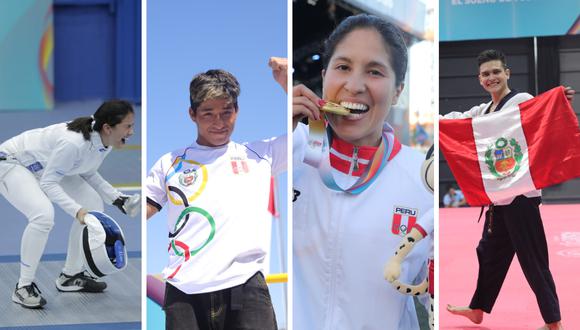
188,37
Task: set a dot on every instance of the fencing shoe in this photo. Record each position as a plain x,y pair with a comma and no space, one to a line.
28,296
80,282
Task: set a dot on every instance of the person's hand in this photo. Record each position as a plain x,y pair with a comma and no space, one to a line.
81,215
279,67
97,235
304,104
569,92
129,205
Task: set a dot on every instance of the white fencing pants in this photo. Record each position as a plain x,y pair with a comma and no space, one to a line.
21,189
77,188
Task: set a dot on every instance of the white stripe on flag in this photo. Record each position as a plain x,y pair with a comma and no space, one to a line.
487,130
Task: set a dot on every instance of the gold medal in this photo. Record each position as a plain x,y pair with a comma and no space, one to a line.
334,108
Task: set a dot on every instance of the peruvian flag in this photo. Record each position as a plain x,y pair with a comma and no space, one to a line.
513,151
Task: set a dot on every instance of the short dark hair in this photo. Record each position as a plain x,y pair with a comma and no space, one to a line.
110,112
390,33
213,84
491,55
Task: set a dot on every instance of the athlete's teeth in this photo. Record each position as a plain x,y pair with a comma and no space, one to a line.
355,115
354,106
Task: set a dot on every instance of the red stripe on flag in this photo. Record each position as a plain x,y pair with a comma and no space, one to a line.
458,146
396,223
551,129
272,200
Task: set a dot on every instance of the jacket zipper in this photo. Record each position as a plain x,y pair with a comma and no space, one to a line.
355,159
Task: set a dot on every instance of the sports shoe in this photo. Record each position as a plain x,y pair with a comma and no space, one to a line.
80,282
28,296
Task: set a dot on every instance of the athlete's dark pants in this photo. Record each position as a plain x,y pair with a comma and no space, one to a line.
515,228
246,306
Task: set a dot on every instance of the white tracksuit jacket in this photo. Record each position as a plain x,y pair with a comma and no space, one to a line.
341,243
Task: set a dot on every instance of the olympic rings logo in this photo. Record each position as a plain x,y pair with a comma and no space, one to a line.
187,252
175,244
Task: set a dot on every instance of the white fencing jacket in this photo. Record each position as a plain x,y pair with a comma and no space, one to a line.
54,152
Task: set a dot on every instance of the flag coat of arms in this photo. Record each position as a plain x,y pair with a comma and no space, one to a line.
514,151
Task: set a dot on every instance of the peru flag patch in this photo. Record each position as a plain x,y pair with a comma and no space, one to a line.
404,219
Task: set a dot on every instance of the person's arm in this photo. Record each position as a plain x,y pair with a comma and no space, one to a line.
279,67
155,188
278,145
102,186
304,104
127,204
473,112
60,162
446,200
151,210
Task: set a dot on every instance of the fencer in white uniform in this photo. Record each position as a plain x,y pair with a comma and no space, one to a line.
58,164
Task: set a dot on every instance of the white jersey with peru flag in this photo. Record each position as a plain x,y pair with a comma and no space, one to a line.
219,221
341,241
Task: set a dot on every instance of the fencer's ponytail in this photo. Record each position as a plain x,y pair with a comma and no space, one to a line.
83,125
110,112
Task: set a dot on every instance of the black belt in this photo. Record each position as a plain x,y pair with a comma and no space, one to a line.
490,210
538,199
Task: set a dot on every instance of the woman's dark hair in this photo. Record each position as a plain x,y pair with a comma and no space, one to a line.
391,34
110,112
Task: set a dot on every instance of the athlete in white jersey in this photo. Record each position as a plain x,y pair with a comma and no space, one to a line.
58,164
357,190
217,194
512,226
